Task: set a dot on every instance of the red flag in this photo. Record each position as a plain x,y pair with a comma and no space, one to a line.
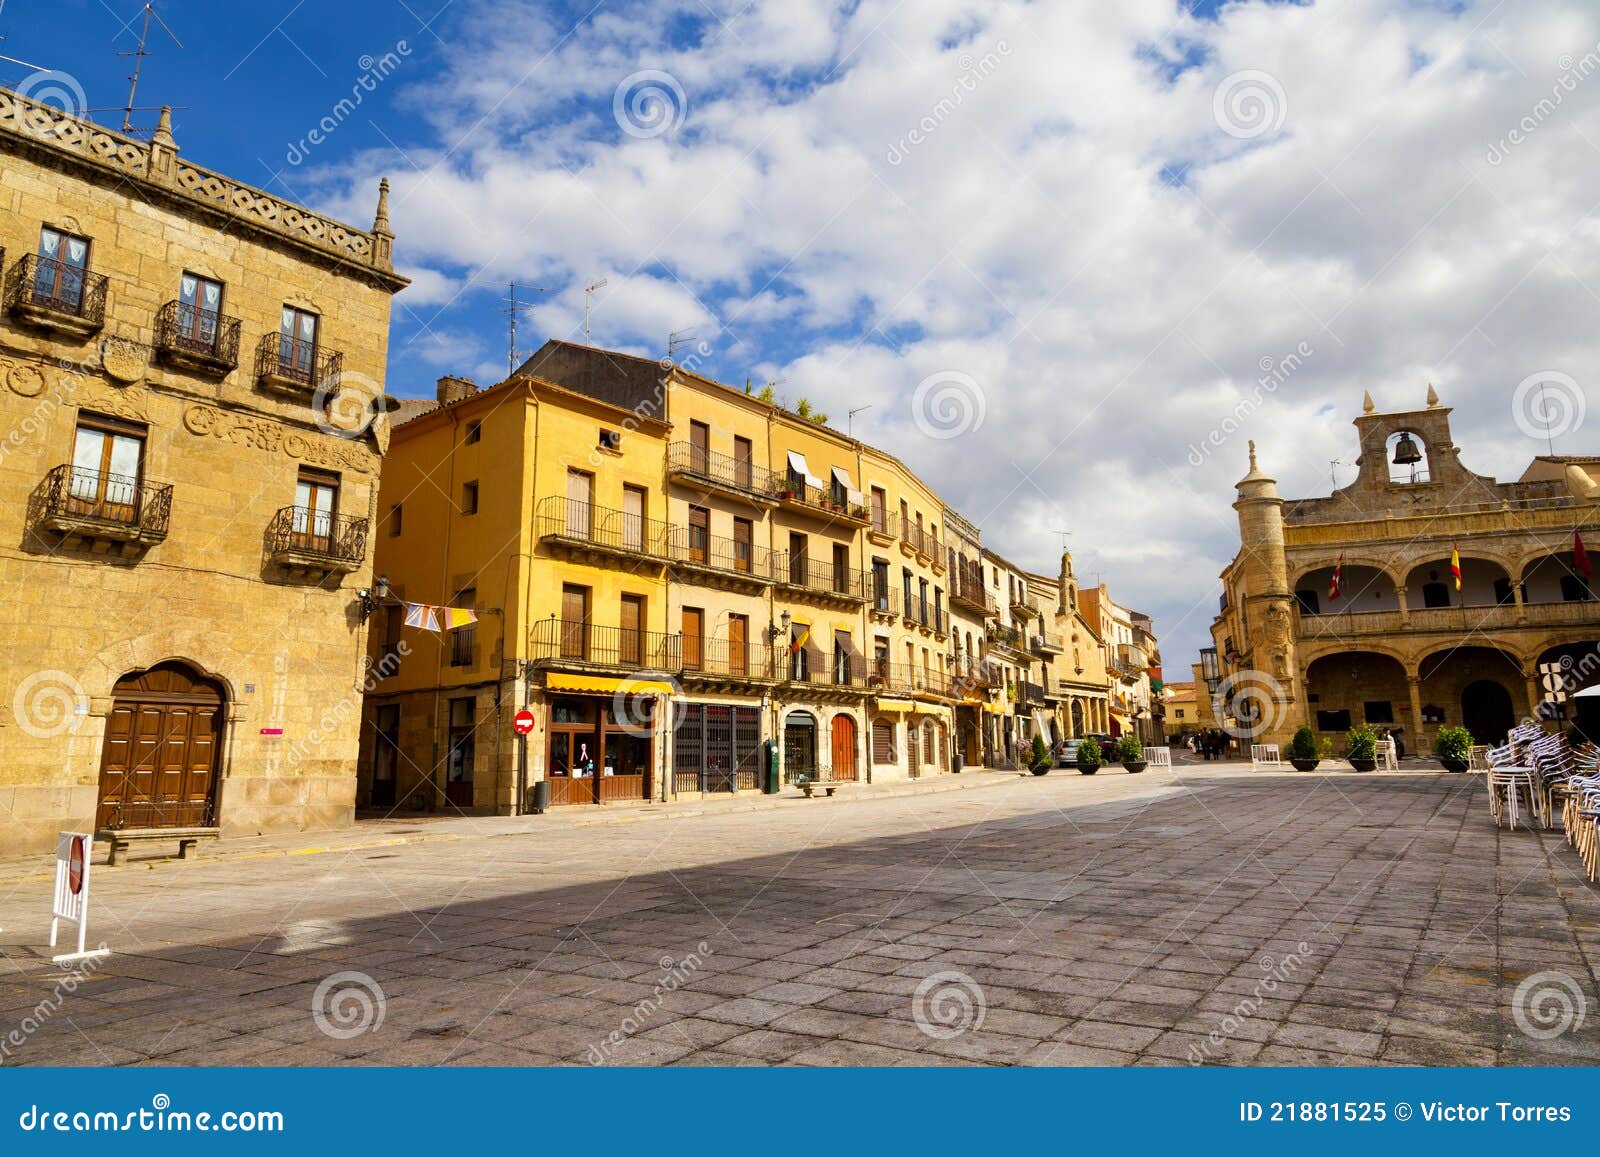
1580,557
1455,565
1333,586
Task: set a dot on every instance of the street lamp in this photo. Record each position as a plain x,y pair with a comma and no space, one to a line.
371,600
780,628
1209,670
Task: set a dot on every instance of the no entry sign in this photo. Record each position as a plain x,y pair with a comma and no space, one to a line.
522,722
71,901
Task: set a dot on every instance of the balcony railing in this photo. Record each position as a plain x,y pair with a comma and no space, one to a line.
1032,694
189,335
795,494
969,594
1003,636
1046,641
291,367
1451,620
819,670
798,572
307,539
573,520
717,658
910,679
918,538
723,470
97,504
731,556
555,642
45,290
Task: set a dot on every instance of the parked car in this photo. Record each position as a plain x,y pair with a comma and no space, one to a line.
1067,753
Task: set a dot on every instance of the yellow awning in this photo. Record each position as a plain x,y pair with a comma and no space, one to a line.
994,709
895,706
607,685
1119,713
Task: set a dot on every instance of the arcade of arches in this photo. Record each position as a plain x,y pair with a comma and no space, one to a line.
1485,689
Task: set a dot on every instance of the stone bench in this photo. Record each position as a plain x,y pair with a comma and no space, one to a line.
813,786
123,838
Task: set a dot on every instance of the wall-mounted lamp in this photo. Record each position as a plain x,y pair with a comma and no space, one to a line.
780,628
371,600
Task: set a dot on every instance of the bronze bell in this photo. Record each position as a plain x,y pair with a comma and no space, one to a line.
1406,452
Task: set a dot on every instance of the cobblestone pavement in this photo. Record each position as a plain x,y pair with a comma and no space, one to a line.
1214,914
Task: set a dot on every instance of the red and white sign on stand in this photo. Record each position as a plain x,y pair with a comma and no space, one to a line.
522,722
72,893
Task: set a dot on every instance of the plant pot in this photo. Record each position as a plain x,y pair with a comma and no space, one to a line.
1087,768
1455,764
1364,764
1042,769
1135,766
1305,764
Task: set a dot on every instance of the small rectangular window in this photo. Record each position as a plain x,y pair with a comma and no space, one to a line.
611,440
469,498
464,640
1378,711
1333,720
473,434
396,519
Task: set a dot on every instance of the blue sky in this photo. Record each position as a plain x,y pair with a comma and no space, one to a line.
1053,246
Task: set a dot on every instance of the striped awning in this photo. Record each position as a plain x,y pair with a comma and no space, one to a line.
894,706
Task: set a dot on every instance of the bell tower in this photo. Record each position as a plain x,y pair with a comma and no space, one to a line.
1266,681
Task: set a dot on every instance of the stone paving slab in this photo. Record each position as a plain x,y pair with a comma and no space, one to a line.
1208,915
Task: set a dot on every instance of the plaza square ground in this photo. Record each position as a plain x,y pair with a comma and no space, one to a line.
1210,914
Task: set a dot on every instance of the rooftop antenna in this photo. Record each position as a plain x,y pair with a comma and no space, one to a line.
588,294
1545,410
1065,534
511,308
675,339
138,55
1333,476
851,417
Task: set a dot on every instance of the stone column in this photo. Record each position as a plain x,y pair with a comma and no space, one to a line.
1414,685
1405,610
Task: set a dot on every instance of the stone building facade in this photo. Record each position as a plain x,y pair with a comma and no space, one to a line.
192,409
1401,647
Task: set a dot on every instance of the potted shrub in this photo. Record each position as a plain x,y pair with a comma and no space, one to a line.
1303,752
1361,743
1089,756
1131,754
1453,746
1039,757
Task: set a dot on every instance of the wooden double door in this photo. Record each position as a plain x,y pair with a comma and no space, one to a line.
162,750
598,755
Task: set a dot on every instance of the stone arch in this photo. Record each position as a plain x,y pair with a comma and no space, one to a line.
1481,573
1406,475
1444,677
1544,577
1345,686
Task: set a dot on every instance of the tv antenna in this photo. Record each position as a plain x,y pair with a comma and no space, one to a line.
1333,476
674,339
511,309
850,418
138,55
1065,534
588,296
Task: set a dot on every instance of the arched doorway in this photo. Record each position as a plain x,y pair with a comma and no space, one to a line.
1077,717
162,750
1486,711
844,747
799,746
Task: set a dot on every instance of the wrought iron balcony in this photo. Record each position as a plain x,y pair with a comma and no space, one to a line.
712,560
798,575
723,472
572,524
921,540
316,542
1046,642
557,643
56,294
718,659
1003,636
800,497
290,368
196,338
910,679
820,671
97,506
968,594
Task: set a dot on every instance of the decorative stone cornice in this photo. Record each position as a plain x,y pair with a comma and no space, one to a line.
156,169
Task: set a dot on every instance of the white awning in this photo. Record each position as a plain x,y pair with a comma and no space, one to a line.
1041,723
814,482
842,477
797,463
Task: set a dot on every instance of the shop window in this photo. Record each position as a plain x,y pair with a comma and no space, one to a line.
1333,720
1378,711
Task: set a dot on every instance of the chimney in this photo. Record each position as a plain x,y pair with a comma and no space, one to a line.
453,389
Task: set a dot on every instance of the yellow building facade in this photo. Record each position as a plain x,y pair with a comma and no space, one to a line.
191,387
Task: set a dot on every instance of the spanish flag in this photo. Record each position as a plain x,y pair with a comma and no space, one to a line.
1580,557
800,640
1455,565
1333,585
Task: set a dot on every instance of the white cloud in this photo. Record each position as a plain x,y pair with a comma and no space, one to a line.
1029,240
